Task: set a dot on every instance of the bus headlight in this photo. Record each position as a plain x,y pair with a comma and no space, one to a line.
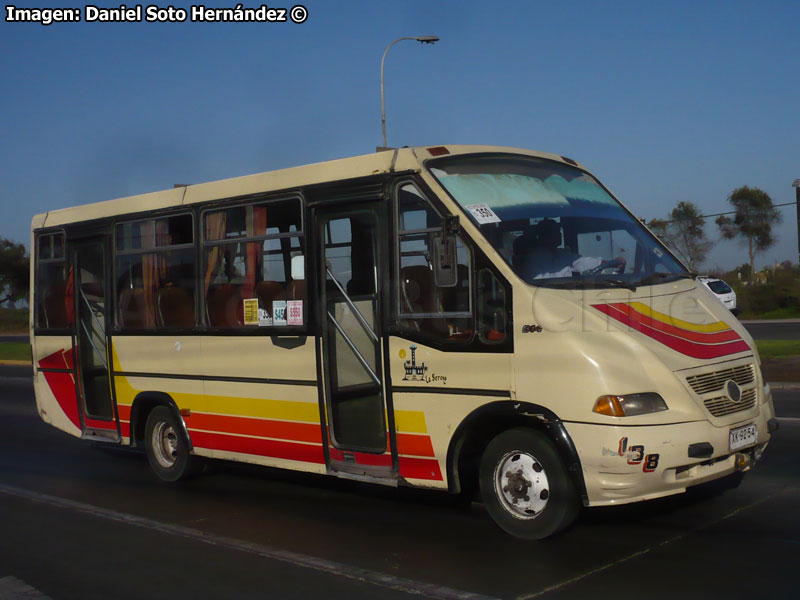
629,405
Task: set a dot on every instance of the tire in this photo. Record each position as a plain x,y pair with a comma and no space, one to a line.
166,446
520,461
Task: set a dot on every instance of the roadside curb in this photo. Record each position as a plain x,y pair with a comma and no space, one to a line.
783,385
16,363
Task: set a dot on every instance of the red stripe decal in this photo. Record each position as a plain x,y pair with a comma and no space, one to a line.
694,336
63,388
364,458
97,424
414,445
420,468
259,447
297,432
686,347
62,384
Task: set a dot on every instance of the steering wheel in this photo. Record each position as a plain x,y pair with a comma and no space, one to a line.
615,263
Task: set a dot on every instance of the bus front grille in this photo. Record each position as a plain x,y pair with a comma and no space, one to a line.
722,405
706,383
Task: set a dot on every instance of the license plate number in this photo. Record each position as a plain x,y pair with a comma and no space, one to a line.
743,436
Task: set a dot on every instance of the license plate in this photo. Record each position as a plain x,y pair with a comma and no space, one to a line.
743,436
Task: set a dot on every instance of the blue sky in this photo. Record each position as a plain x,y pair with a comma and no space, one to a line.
664,102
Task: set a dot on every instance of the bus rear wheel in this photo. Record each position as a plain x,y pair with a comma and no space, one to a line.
166,447
525,486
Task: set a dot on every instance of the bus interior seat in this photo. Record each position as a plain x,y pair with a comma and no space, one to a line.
131,309
297,289
175,307
523,245
268,291
224,306
417,289
54,306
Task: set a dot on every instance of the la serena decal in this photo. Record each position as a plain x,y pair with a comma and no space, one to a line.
414,371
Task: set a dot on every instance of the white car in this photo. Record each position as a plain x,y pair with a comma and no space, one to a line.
721,290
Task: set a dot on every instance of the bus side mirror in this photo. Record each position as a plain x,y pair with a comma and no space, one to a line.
298,267
445,260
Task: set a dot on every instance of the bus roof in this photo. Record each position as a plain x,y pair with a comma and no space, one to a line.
387,161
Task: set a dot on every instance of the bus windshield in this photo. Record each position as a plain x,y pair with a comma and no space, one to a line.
555,224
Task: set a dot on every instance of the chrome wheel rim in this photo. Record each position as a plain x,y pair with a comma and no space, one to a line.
521,485
165,445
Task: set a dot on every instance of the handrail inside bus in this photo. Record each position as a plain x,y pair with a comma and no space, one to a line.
100,327
359,317
352,346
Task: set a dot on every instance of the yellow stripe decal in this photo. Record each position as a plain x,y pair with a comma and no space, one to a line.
406,421
410,421
654,314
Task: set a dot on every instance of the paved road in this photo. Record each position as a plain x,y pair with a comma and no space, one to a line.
81,522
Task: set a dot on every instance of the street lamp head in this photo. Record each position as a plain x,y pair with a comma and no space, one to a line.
427,39
796,183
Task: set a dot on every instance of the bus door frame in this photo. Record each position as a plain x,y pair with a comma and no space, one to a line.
99,427
345,461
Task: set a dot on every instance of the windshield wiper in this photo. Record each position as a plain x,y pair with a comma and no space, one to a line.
653,277
575,284
621,283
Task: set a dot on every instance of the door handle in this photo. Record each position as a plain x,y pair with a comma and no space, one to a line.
288,341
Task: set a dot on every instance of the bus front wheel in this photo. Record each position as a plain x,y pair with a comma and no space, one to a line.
167,450
525,486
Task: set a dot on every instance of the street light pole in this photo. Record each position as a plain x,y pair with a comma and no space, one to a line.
426,39
796,186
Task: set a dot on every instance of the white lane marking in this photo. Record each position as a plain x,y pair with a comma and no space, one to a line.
12,588
633,555
409,586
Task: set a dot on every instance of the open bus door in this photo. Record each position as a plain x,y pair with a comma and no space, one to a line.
352,258
90,288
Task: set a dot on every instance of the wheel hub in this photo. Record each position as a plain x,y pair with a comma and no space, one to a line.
521,484
165,444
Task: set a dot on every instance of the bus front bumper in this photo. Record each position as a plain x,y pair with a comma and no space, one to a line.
629,464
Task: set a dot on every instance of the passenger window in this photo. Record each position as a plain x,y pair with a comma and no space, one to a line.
491,308
443,312
54,295
154,273
247,255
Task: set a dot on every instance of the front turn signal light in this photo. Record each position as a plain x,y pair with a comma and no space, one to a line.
629,405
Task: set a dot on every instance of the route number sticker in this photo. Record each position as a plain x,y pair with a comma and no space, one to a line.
483,214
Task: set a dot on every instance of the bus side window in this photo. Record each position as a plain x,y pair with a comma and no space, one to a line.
491,308
247,256
54,308
154,271
444,313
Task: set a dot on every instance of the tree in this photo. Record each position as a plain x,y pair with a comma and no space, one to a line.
14,272
684,234
752,223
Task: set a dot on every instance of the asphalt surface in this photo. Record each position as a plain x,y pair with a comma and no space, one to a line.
79,521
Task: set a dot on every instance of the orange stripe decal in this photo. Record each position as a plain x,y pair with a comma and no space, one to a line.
264,428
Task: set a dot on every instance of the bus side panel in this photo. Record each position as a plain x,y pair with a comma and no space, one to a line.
291,358
425,421
56,399
271,416
153,355
269,424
